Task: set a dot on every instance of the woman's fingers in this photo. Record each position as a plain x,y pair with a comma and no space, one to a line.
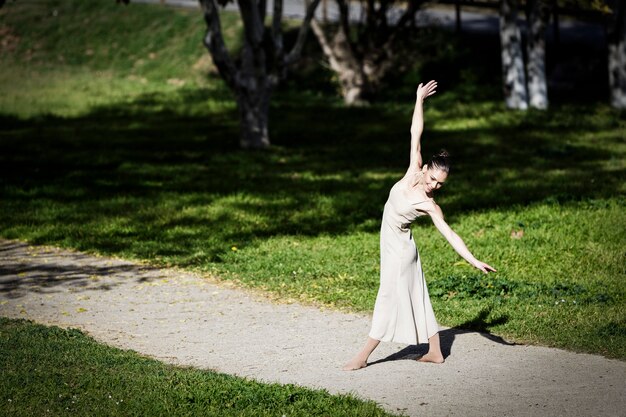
489,268
431,87
485,267
426,90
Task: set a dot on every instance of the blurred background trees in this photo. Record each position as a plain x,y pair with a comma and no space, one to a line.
365,42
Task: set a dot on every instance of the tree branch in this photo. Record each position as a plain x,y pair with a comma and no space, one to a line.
294,55
321,37
252,24
214,42
382,14
412,8
262,10
345,23
277,30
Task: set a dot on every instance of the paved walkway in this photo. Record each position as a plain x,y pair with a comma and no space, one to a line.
181,318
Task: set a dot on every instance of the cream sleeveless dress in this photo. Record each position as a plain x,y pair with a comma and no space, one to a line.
403,312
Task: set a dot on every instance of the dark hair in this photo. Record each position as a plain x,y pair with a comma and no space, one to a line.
440,160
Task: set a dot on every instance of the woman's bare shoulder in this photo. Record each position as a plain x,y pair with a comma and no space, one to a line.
430,207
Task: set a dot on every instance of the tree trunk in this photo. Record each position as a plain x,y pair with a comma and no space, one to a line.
253,90
344,63
537,84
513,77
617,55
253,116
253,78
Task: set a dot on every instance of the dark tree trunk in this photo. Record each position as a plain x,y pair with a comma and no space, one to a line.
253,101
513,76
255,75
253,117
537,84
617,55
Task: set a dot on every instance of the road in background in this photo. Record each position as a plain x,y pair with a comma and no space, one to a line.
485,21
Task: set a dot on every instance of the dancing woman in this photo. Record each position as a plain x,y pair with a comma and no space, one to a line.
403,312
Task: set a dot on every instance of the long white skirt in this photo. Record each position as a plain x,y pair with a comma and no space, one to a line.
403,312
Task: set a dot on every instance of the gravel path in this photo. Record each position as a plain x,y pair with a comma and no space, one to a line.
181,318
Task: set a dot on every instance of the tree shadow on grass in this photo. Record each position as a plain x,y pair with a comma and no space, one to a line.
152,172
478,325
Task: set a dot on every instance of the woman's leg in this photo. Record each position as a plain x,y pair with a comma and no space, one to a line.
360,360
434,354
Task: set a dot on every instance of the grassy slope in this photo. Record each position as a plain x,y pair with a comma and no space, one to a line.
149,169
51,371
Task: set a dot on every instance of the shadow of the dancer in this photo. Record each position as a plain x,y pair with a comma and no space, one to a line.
479,325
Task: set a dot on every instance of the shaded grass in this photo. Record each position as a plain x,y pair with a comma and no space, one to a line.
52,371
155,174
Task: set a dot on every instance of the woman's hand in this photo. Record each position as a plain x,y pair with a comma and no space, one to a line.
427,90
483,266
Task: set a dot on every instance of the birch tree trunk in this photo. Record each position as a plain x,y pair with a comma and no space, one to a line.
513,77
536,51
255,75
617,55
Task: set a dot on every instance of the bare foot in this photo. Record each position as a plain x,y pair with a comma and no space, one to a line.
432,358
354,365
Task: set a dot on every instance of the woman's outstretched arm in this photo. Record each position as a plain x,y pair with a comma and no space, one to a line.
417,124
455,240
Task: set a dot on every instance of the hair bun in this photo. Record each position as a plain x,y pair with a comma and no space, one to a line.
440,160
443,154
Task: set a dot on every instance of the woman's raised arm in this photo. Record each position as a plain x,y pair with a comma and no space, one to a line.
417,124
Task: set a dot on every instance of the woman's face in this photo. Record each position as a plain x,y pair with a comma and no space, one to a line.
434,179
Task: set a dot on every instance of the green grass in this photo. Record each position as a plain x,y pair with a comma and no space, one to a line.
151,171
73,56
53,371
